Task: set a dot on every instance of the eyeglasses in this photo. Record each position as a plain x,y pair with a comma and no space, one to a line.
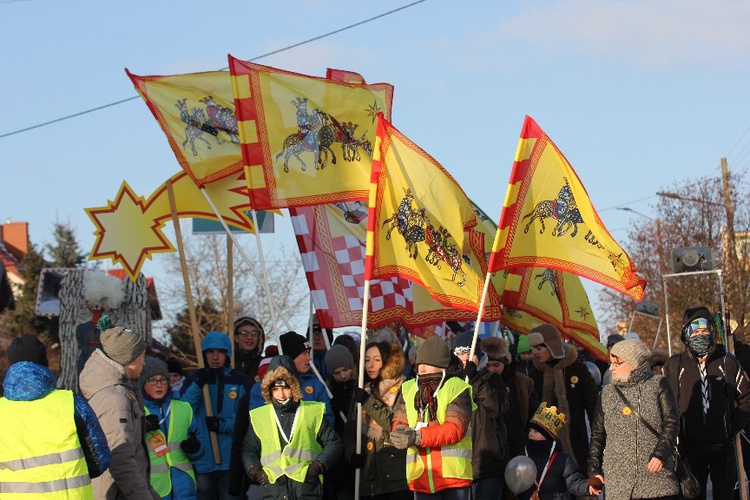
248,333
616,363
158,381
698,324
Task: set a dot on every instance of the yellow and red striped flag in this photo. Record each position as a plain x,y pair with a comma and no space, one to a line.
548,220
421,225
306,140
196,113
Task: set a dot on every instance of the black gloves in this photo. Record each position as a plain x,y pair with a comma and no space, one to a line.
257,474
191,445
470,370
361,395
150,423
212,423
315,469
403,437
202,377
358,460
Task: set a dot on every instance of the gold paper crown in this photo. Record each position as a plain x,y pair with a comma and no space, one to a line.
548,419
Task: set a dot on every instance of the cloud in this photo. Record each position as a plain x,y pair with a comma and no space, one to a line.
644,32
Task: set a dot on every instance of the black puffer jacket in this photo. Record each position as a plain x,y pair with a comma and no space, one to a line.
622,445
729,401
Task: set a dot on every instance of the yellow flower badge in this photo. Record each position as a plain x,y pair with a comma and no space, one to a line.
232,394
574,379
309,389
370,446
626,410
393,389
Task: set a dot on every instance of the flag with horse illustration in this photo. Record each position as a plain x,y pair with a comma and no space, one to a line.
305,140
196,113
548,220
421,225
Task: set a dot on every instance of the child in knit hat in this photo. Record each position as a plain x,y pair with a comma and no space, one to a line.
557,474
168,421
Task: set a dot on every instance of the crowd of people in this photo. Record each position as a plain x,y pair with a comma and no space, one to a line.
436,422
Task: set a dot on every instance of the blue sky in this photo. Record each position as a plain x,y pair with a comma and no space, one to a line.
637,94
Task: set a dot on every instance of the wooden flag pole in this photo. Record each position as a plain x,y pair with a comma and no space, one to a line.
480,312
191,312
230,295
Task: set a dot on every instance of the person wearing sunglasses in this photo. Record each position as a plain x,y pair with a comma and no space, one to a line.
713,399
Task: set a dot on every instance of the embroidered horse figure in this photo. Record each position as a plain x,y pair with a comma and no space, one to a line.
563,209
196,125
548,276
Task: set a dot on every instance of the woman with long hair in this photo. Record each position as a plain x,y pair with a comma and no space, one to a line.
383,467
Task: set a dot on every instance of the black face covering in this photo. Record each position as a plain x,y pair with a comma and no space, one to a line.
701,344
539,447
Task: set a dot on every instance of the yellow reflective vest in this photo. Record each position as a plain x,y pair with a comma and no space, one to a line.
40,454
294,458
456,458
180,418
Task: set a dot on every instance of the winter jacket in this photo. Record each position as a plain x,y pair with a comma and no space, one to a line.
247,362
118,405
183,486
568,384
563,479
340,477
521,401
729,401
225,388
622,446
489,436
439,434
384,467
312,390
326,437
26,381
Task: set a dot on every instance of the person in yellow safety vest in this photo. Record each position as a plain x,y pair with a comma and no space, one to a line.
170,434
432,420
288,459
51,444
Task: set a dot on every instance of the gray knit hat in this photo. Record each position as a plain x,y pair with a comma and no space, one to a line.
434,352
337,357
547,335
121,344
631,351
153,366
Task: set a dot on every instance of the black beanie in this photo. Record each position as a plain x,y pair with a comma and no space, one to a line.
293,344
27,348
464,340
174,366
695,313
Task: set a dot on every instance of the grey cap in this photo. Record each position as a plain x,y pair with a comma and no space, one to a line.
122,345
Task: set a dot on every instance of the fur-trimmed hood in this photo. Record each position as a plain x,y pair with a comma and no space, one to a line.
281,367
395,365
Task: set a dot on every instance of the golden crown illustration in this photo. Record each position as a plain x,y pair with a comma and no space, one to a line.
548,419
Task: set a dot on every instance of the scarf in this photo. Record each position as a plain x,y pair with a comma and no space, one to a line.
701,345
425,398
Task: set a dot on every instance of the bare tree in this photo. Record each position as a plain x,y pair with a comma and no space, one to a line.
695,217
206,258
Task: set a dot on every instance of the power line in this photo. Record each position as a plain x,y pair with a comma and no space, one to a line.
289,47
627,203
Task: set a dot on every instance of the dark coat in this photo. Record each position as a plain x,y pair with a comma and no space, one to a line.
247,363
622,446
489,437
729,401
563,477
522,400
577,398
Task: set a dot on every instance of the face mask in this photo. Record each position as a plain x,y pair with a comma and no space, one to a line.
701,345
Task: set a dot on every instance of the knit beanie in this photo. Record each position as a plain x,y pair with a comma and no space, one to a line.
27,347
548,336
153,366
695,313
434,352
463,343
120,344
293,344
497,349
337,357
523,344
631,351
174,366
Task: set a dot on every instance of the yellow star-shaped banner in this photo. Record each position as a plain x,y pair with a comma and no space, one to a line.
129,229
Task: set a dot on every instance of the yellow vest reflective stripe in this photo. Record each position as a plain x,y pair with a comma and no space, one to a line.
456,458
40,455
180,418
293,460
